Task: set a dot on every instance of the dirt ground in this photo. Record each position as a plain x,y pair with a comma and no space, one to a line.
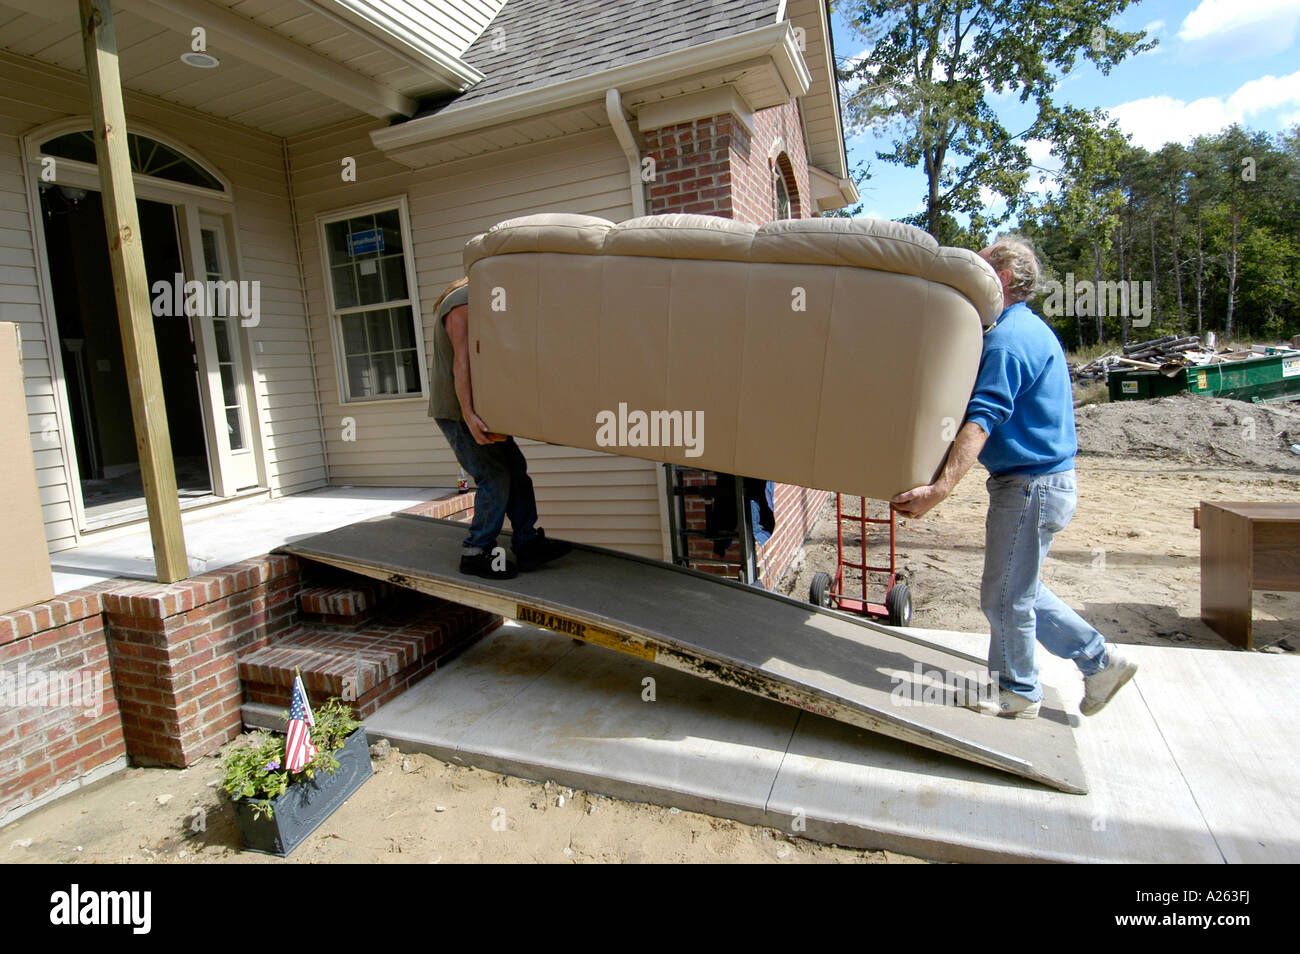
1128,562
1130,559
415,809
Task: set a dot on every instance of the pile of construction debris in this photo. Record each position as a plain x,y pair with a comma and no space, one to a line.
1168,354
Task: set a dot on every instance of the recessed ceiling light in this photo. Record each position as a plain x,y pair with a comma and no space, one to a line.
203,61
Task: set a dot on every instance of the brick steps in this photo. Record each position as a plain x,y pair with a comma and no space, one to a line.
343,603
366,663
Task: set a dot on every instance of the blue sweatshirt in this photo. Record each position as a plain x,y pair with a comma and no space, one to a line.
1023,399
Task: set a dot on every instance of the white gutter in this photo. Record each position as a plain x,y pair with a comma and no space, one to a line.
775,41
617,119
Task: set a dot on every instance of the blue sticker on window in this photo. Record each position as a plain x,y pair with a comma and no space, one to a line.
364,243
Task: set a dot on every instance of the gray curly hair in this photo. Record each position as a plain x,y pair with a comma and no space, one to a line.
1016,255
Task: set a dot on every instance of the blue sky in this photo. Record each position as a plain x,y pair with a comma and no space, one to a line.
1218,61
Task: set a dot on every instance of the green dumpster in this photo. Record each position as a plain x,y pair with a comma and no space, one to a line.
1140,384
1263,378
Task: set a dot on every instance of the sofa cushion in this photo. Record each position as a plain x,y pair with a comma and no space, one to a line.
542,232
704,237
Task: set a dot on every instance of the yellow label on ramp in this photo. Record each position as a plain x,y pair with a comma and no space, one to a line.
583,631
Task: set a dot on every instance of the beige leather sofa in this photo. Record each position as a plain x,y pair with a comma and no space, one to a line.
832,353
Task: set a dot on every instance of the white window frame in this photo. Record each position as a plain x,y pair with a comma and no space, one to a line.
323,219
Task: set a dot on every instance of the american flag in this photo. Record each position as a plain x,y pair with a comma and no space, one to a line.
298,748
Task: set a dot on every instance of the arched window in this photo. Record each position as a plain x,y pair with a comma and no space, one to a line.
781,194
148,158
785,191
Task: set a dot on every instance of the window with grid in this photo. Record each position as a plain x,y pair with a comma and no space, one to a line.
373,305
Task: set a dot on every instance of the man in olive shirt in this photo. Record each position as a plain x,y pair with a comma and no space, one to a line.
500,472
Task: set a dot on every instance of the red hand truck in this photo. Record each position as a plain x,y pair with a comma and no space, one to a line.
829,591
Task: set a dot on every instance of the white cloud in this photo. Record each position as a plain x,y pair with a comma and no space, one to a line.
1156,120
1153,31
1042,178
1238,29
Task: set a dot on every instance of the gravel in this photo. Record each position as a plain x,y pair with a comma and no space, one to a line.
1189,429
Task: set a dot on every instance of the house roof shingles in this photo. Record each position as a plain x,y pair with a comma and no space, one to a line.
545,42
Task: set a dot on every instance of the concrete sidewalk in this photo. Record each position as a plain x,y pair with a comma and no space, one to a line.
1174,774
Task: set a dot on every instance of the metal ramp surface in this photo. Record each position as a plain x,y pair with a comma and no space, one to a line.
842,667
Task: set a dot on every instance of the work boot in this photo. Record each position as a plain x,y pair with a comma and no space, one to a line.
1012,705
1100,688
540,550
480,564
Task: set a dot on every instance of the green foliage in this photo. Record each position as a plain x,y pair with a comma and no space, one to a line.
927,80
255,771
1214,227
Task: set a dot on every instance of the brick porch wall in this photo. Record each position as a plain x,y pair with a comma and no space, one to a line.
715,166
174,651
54,734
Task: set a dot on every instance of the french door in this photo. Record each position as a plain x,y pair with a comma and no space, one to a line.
221,356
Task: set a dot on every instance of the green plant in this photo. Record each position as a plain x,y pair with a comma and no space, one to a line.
255,771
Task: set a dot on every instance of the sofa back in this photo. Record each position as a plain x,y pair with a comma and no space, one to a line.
834,354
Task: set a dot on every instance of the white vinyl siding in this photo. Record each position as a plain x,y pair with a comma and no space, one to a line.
582,495
30,96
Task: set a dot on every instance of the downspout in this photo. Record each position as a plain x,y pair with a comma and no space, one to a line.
618,121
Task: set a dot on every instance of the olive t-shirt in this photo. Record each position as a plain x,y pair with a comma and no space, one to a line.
443,402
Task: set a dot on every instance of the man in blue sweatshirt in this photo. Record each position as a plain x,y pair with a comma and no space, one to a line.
1020,424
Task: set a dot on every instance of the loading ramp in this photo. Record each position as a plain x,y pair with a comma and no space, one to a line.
846,668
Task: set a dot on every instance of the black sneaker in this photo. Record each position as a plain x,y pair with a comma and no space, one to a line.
539,551
480,564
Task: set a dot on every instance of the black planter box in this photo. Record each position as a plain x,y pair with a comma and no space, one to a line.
300,810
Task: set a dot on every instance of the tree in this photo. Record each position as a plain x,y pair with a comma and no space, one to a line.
930,70
1171,170
1089,194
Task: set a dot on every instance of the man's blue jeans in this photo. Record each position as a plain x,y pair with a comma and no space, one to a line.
503,487
1025,511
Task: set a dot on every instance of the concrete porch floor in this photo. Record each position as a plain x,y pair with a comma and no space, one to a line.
219,536
1194,761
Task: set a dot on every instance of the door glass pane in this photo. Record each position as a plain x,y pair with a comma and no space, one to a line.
221,332
235,428
211,254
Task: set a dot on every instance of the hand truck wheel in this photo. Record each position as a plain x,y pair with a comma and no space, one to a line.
819,594
898,602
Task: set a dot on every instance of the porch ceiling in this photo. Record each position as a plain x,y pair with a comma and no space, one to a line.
287,66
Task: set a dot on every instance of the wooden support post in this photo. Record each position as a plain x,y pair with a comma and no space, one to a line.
131,289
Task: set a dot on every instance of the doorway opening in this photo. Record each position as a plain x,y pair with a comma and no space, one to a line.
99,400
